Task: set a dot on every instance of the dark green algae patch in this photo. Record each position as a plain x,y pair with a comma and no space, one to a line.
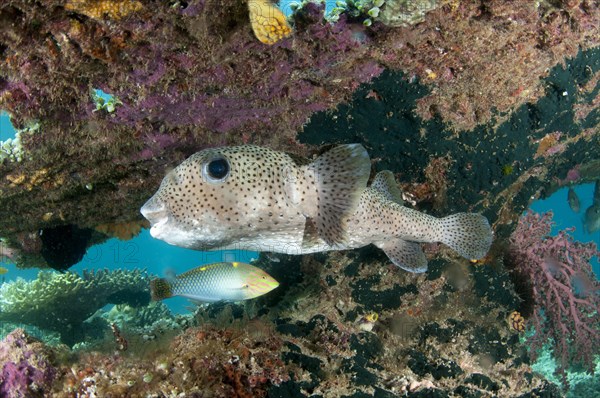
484,161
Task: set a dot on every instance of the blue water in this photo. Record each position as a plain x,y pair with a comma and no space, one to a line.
158,257
102,94
284,5
143,252
564,217
6,128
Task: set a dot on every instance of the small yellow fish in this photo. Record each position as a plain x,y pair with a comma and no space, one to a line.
268,22
3,270
215,282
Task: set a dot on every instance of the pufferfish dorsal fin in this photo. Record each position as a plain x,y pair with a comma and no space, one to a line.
269,24
385,183
339,176
406,255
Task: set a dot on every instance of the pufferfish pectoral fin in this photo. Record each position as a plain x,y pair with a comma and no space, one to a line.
339,176
268,22
404,254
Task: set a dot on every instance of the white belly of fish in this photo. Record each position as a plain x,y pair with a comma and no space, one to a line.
279,243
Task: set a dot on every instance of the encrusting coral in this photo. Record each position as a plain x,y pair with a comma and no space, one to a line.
98,9
406,12
61,302
27,367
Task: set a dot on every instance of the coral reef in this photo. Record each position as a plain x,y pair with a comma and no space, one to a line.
441,172
62,302
344,325
450,338
240,360
201,77
563,287
482,106
27,367
148,322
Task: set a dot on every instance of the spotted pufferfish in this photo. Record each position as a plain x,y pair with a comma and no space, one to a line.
268,22
254,198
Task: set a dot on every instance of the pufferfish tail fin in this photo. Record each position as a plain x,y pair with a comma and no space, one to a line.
469,234
339,176
160,289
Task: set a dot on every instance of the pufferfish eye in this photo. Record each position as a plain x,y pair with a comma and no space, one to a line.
216,170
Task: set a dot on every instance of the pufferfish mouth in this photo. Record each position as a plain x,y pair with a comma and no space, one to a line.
155,212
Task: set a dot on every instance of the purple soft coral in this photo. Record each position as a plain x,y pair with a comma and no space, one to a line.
564,287
26,368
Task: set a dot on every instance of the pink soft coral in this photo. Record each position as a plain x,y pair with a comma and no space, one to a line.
565,290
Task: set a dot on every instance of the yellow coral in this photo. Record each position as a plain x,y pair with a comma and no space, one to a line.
516,321
268,22
124,230
29,182
15,180
372,317
98,9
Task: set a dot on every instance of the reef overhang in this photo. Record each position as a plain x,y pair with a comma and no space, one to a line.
189,75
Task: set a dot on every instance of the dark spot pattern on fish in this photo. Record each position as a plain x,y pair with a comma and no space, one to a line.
258,199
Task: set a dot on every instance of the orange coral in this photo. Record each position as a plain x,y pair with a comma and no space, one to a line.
98,9
124,230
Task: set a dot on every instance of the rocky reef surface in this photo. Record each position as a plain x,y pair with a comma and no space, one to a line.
475,105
